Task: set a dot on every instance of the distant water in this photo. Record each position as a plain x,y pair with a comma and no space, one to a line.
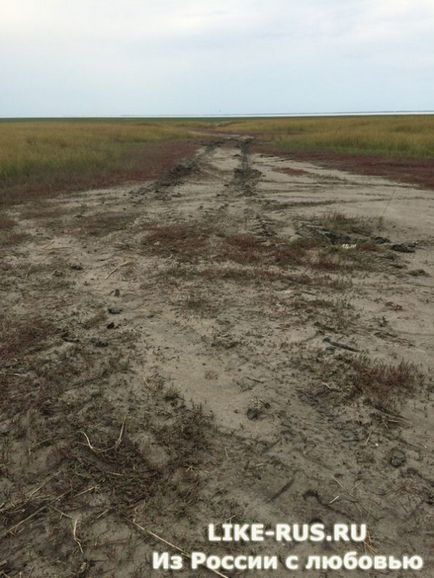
292,114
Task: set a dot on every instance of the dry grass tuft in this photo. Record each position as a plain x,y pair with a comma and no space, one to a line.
340,223
382,382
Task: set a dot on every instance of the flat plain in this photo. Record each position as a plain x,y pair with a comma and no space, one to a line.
210,322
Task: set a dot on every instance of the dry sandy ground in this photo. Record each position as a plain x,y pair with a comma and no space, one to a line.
216,346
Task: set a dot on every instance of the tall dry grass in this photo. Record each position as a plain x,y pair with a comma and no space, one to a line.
407,136
38,155
40,147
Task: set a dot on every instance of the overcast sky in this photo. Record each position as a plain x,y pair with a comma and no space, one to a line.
142,57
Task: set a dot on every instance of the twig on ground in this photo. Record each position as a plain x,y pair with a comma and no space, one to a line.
36,490
340,345
283,489
86,491
32,515
121,433
74,525
369,545
117,268
74,534
12,529
254,379
88,442
177,548
113,447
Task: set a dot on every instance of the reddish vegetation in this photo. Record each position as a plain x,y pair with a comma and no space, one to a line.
155,159
177,239
413,171
292,172
6,224
17,338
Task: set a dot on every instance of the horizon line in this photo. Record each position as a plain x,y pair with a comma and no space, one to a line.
231,115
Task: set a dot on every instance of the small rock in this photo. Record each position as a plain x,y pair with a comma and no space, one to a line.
394,306
338,239
339,344
225,341
97,342
76,267
397,458
114,310
430,499
111,325
117,293
82,571
69,338
350,435
381,240
418,273
257,408
403,248
253,413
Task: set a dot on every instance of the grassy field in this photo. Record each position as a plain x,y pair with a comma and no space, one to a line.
43,157
38,156
408,136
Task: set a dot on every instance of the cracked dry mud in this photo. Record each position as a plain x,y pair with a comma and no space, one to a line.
189,351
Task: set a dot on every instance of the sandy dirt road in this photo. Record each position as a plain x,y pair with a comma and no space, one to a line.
248,339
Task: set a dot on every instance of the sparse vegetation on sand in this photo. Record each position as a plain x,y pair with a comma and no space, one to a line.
220,344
